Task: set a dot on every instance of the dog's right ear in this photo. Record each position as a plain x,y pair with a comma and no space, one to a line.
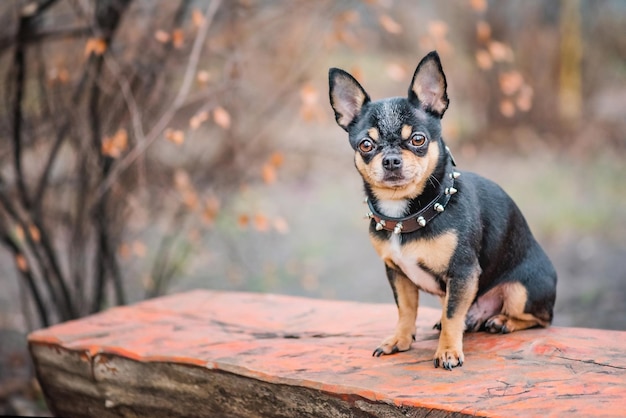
347,97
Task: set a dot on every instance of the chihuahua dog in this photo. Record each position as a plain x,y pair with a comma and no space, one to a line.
450,233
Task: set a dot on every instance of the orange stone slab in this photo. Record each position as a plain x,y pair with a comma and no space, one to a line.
208,353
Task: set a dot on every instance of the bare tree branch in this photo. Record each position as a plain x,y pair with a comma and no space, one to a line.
178,102
26,274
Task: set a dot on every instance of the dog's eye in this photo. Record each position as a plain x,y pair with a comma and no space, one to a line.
417,140
366,145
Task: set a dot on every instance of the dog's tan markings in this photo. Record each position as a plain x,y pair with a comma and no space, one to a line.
372,171
513,318
407,297
416,170
406,131
449,352
428,164
433,253
373,133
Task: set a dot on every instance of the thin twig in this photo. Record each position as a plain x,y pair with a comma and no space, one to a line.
27,275
178,102
20,76
54,283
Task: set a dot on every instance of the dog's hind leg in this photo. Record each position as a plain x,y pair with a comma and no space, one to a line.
513,316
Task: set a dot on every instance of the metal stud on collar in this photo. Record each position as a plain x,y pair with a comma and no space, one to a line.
380,225
398,228
421,221
439,207
450,190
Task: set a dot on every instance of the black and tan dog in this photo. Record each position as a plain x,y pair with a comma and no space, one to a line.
453,234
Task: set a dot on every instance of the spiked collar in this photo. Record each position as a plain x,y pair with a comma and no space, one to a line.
420,219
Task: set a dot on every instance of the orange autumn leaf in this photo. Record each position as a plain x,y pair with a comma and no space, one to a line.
483,31
221,117
178,38
438,29
139,248
243,221
114,146
211,209
357,73
309,94
510,82
389,24
162,36
268,173
203,76
500,52
21,262
197,18
96,46
281,225
310,109
507,108
190,199
198,119
478,5
261,223
396,71
277,159
124,251
174,135
181,179
34,233
524,101
19,232
347,17
58,75
483,59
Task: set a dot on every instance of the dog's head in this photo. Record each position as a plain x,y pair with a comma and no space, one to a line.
397,141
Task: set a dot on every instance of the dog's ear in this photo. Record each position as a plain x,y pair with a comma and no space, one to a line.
428,87
347,97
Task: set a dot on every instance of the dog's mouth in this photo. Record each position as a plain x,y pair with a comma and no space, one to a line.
394,180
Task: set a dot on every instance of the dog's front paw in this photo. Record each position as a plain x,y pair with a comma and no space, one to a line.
448,357
394,344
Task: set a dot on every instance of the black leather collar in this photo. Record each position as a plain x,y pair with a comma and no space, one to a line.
420,219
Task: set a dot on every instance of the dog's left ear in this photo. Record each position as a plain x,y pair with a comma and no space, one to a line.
428,87
347,97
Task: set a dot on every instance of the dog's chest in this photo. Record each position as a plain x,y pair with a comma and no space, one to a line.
408,258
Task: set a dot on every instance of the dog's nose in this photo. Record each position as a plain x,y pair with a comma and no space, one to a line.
392,162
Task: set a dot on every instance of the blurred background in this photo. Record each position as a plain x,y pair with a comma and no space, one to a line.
150,147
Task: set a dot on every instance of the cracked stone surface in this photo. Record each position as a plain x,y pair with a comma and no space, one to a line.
207,353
